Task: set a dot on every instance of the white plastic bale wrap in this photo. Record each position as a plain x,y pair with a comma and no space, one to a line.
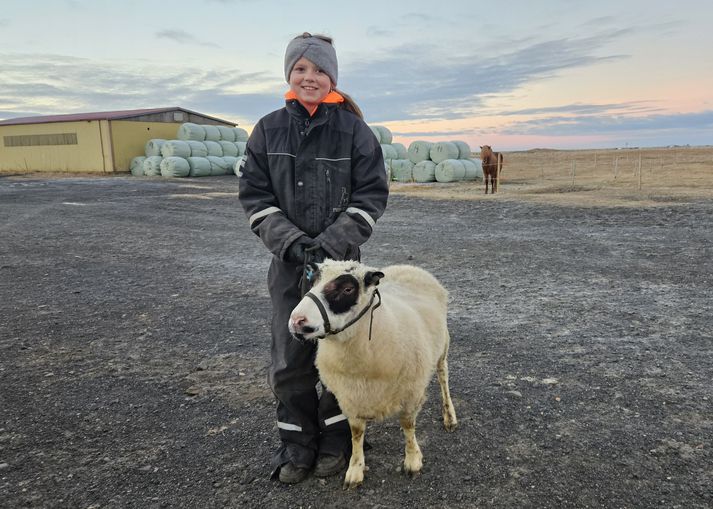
387,169
240,134
190,131
238,164
198,148
450,170
226,133
401,152
153,147
214,148
479,166
229,148
175,167
389,152
385,135
152,166
137,166
376,132
463,149
218,166
471,170
212,133
402,170
240,145
200,167
444,150
419,151
176,148
425,171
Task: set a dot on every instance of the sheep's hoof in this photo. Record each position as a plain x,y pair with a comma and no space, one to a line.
450,426
351,485
352,479
412,473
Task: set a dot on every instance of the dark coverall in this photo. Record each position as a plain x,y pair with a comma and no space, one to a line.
322,176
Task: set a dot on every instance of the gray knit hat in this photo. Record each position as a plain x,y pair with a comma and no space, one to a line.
315,49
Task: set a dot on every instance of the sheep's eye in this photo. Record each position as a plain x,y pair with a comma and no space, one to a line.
348,290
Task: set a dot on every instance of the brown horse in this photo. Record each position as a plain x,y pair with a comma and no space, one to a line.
492,166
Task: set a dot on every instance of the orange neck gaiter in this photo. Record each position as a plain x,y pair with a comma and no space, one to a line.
330,98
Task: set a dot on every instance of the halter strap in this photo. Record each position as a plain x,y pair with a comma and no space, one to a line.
328,326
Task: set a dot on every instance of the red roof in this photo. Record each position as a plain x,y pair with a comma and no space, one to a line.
101,115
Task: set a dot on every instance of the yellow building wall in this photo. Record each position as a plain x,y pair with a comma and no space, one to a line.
129,139
85,156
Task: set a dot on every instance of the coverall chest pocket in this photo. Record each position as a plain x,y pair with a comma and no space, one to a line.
337,178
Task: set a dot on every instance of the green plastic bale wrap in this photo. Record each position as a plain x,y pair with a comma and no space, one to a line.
198,148
214,148
229,148
240,134
190,131
238,164
176,148
463,149
152,166
240,145
450,170
402,170
137,166
419,151
226,133
425,171
444,150
471,170
230,161
376,132
479,167
200,167
385,135
212,133
389,152
218,166
153,147
174,167
401,152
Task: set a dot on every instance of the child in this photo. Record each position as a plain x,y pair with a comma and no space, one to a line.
313,185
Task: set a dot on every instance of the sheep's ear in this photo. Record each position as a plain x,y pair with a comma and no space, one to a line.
373,278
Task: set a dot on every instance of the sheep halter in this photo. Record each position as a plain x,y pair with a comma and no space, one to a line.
328,331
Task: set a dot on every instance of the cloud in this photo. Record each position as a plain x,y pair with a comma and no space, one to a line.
4,22
183,37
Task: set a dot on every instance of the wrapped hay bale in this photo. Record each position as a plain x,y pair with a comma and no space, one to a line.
425,171
152,166
419,151
471,170
214,148
153,147
241,147
226,133
376,132
190,131
229,148
199,167
402,170
230,161
385,135
479,168
240,134
174,167
198,148
401,151
212,133
218,166
444,150
176,148
463,149
238,164
450,170
137,166
389,152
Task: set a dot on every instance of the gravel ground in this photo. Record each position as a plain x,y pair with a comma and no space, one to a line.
134,342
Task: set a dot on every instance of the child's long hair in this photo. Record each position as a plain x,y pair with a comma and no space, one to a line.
349,104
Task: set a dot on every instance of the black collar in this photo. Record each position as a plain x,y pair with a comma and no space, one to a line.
328,331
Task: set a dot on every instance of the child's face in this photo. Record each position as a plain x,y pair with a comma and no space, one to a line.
309,83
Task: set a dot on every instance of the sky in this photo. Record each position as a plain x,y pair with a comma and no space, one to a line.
513,74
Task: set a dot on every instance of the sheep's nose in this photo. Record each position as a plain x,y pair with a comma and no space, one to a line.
297,322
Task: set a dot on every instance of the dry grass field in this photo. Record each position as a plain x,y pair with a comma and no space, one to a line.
590,178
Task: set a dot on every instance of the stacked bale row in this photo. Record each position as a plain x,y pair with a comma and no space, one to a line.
198,151
395,154
445,161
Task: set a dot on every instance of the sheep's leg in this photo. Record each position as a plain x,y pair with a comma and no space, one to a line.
413,460
355,472
450,422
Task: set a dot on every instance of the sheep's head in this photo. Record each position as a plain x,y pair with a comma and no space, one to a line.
343,289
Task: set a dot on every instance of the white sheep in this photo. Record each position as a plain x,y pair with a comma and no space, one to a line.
378,347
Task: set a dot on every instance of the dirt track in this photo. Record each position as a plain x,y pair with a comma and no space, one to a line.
134,340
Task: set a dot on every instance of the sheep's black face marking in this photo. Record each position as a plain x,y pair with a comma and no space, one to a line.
342,293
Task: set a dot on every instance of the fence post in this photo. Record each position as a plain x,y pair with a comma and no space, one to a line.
639,170
595,161
616,167
574,169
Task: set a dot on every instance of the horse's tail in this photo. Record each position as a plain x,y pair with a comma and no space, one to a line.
500,159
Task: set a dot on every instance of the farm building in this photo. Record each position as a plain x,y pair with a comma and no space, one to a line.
102,142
